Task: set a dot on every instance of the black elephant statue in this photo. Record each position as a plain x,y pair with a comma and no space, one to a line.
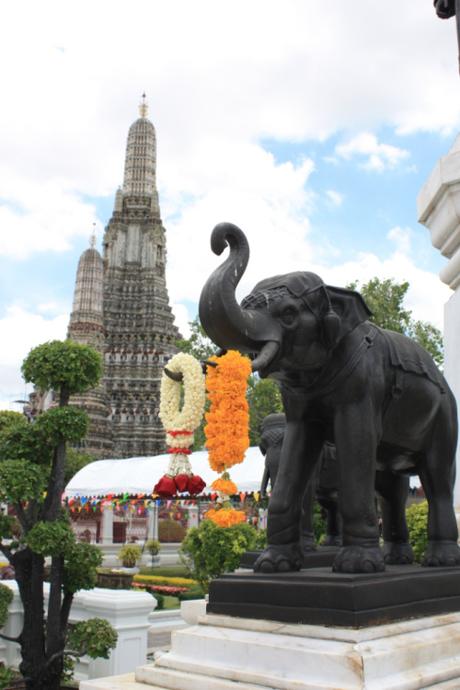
323,488
375,394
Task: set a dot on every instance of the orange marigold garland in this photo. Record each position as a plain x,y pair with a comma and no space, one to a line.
227,429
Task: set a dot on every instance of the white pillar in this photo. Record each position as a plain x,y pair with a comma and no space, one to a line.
439,209
152,522
107,523
193,517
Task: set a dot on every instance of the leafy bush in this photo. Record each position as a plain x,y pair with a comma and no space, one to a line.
170,531
6,597
129,554
6,676
153,547
94,637
417,523
319,523
209,550
260,539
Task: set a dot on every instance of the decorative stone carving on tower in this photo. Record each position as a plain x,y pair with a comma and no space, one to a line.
86,326
139,325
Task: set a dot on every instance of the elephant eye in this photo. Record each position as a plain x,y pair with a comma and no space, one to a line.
289,315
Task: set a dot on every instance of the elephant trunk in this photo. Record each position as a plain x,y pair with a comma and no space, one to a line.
226,323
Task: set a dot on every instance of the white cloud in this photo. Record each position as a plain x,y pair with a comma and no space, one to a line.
307,71
220,78
401,237
20,330
336,198
269,201
426,295
377,156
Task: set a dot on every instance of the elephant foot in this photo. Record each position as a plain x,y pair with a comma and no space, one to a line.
279,559
332,540
440,554
397,553
359,559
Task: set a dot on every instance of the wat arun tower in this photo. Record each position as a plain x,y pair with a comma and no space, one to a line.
138,325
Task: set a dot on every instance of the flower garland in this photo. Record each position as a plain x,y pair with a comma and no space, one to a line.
180,423
227,435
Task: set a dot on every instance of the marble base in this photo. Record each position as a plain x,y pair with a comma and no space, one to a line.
318,596
228,653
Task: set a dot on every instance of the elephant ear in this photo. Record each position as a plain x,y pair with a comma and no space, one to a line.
350,307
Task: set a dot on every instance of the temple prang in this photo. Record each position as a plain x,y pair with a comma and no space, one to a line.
121,307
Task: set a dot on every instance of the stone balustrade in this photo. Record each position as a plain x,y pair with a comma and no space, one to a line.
127,611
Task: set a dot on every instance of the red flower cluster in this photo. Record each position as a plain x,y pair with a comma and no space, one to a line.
169,486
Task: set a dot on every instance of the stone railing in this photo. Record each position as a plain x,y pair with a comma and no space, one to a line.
127,611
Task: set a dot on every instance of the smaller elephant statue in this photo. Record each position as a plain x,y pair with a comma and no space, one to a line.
323,488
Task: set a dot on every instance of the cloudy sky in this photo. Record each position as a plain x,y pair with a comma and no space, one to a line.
311,125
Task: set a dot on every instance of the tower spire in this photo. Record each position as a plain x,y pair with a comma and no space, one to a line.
140,161
92,239
143,106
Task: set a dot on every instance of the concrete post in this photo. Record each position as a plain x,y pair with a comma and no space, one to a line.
439,210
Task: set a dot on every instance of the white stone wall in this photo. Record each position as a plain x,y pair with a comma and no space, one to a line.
127,611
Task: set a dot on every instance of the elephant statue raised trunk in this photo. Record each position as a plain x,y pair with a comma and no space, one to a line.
375,394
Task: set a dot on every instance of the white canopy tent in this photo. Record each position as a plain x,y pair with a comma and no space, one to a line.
139,475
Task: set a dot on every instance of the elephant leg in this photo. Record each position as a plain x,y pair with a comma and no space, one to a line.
284,509
329,502
307,533
393,490
356,444
437,474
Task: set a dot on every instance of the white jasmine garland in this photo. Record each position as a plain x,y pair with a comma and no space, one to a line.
189,416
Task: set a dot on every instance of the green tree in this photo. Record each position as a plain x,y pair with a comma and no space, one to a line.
264,398
75,461
198,344
201,347
385,298
32,481
9,419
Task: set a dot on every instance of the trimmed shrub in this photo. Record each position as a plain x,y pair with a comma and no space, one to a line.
171,531
209,550
417,523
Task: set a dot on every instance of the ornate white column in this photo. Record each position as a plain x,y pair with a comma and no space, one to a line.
152,522
439,209
107,523
193,517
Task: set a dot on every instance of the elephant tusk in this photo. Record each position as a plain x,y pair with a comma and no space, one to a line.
174,375
266,355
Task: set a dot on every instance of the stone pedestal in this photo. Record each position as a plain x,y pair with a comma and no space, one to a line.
226,653
439,209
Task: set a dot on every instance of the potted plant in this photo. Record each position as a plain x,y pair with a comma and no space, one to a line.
129,554
153,547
